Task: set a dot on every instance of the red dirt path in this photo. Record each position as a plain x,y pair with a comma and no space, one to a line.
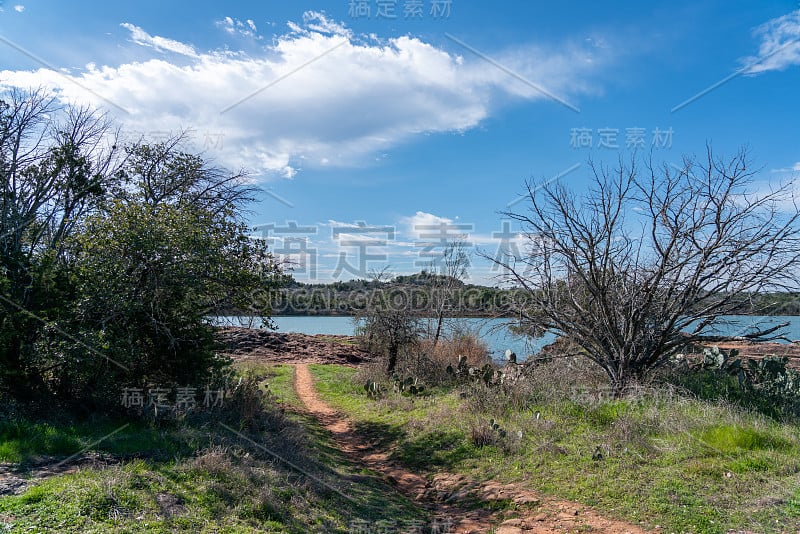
440,493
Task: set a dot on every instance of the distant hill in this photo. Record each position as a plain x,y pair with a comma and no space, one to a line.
465,300
416,290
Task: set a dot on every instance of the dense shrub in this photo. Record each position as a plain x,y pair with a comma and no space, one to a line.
765,385
111,257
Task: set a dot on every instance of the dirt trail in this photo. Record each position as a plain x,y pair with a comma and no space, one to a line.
440,493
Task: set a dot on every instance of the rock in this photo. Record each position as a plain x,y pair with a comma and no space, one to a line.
526,499
12,486
566,516
278,347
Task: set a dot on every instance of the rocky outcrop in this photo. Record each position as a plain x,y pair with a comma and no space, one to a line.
281,347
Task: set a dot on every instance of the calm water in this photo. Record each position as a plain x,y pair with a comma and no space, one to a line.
496,334
493,331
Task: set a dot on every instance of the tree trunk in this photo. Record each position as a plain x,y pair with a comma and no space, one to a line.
440,319
393,350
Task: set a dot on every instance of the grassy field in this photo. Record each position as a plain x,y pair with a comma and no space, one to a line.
683,464
192,476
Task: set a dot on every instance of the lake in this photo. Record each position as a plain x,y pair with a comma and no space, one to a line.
495,333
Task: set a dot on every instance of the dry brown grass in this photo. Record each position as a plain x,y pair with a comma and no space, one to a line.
252,406
374,371
482,435
447,351
215,460
428,363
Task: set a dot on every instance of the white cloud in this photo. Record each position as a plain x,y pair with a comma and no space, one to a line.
235,26
316,95
423,223
783,192
780,44
340,224
19,8
787,170
397,246
227,24
318,22
162,44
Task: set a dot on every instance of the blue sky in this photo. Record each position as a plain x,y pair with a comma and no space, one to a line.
431,113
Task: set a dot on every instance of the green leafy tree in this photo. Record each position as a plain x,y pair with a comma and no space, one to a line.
155,261
56,164
111,259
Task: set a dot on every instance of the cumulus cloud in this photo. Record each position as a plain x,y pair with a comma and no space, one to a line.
19,8
316,95
780,45
422,222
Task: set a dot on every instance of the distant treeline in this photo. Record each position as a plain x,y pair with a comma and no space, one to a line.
423,291
773,304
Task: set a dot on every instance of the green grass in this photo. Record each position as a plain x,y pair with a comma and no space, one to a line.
279,380
336,386
687,465
730,439
25,441
20,441
230,488
196,476
209,493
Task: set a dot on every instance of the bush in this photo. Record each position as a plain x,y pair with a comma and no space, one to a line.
371,372
630,298
447,351
562,377
436,364
109,262
765,385
252,406
422,362
387,328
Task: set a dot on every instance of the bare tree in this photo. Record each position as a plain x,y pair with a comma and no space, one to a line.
55,164
451,270
388,323
652,257
166,173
